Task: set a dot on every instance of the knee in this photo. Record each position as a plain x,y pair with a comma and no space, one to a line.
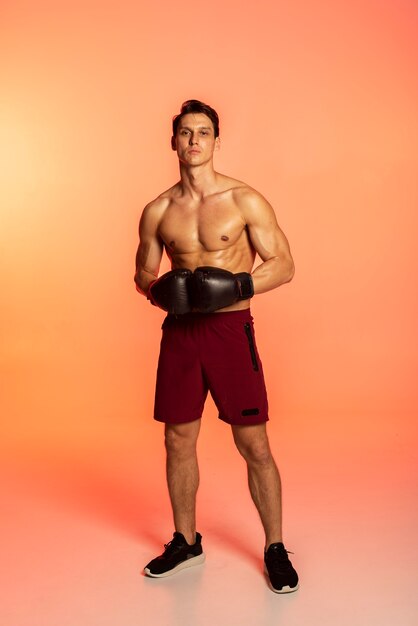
256,453
177,444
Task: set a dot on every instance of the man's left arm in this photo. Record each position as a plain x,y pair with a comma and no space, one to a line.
269,241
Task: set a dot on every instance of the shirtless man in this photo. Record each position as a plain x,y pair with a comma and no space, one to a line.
211,227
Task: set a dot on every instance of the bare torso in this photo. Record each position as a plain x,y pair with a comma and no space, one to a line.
210,231
213,221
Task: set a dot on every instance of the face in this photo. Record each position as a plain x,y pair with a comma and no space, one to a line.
195,139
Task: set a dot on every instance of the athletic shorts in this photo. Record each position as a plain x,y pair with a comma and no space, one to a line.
213,352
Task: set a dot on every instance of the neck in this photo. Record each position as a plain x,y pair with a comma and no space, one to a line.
198,181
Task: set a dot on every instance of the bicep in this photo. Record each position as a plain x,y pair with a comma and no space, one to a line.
265,234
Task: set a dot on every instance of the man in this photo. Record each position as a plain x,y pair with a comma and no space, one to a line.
211,227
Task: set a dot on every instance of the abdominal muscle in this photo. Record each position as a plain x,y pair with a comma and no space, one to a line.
238,257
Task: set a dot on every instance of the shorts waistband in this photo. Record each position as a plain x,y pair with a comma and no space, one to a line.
243,314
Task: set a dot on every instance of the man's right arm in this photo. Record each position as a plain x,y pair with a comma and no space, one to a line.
150,249
170,292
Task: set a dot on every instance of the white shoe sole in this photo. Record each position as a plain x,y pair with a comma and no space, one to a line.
285,589
195,560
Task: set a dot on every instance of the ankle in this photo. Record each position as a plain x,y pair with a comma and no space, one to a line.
190,537
274,539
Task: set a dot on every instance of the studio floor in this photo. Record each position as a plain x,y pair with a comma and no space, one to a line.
76,535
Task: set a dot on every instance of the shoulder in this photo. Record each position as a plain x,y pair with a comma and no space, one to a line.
241,192
161,202
252,204
154,210
245,194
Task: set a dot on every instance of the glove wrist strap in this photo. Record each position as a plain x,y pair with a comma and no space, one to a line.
246,285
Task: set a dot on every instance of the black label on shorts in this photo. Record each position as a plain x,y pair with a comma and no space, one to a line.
247,412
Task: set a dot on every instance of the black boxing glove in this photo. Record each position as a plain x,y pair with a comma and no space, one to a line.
170,292
213,288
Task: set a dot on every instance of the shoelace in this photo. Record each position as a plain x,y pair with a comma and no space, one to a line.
278,558
281,550
172,547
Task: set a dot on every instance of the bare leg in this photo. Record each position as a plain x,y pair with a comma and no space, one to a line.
263,477
183,475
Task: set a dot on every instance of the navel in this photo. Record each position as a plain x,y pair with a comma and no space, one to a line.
225,238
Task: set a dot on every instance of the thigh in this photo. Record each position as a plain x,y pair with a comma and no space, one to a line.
234,370
180,387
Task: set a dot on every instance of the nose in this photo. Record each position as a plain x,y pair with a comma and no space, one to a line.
193,138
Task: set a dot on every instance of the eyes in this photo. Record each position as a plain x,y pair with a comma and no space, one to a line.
185,132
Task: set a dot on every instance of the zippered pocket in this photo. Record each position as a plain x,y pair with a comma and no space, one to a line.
247,328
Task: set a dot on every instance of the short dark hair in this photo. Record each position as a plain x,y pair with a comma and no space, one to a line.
196,106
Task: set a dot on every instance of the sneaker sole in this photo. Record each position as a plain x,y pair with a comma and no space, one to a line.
285,589
195,560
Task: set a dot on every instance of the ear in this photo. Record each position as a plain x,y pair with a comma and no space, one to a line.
217,143
173,143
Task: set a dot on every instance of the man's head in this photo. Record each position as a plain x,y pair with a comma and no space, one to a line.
195,133
196,106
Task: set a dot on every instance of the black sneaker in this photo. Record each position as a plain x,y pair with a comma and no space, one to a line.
282,575
177,555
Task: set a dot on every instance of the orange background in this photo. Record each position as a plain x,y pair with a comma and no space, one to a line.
318,107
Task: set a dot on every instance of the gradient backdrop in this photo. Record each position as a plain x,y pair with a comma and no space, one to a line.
318,106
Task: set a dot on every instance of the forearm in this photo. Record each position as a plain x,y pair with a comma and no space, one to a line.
143,280
272,273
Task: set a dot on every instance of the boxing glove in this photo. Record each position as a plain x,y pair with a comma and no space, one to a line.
213,288
170,292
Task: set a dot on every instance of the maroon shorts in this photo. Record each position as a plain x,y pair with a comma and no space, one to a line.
215,352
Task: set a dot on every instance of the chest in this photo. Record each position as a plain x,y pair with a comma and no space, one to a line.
208,226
